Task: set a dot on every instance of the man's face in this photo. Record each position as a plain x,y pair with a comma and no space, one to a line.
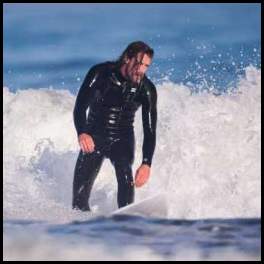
136,67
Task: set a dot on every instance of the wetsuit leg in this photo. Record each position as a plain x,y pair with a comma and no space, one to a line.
122,157
86,170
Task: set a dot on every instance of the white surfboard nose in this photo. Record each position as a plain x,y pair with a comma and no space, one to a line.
155,206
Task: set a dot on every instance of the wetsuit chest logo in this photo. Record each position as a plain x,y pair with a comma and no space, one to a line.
129,93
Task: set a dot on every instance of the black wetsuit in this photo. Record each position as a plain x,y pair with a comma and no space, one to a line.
112,102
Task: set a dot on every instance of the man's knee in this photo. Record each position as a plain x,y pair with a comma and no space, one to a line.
124,173
123,166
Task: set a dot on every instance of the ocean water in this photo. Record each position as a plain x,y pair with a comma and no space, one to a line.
207,45
207,69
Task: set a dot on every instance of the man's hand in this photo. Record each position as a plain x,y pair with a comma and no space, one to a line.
142,175
86,142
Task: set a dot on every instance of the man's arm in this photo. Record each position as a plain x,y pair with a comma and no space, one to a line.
84,98
149,119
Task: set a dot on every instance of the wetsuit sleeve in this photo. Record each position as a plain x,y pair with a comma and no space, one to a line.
149,118
84,99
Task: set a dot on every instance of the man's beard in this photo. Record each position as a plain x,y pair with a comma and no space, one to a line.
133,77
136,78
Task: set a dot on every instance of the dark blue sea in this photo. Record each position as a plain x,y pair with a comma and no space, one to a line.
203,45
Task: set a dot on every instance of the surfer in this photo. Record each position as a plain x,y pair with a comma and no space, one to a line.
112,92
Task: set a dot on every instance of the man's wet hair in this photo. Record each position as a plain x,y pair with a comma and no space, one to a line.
133,49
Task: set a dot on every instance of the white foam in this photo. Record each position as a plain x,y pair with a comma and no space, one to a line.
207,156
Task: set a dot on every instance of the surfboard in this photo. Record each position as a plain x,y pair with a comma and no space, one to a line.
155,206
